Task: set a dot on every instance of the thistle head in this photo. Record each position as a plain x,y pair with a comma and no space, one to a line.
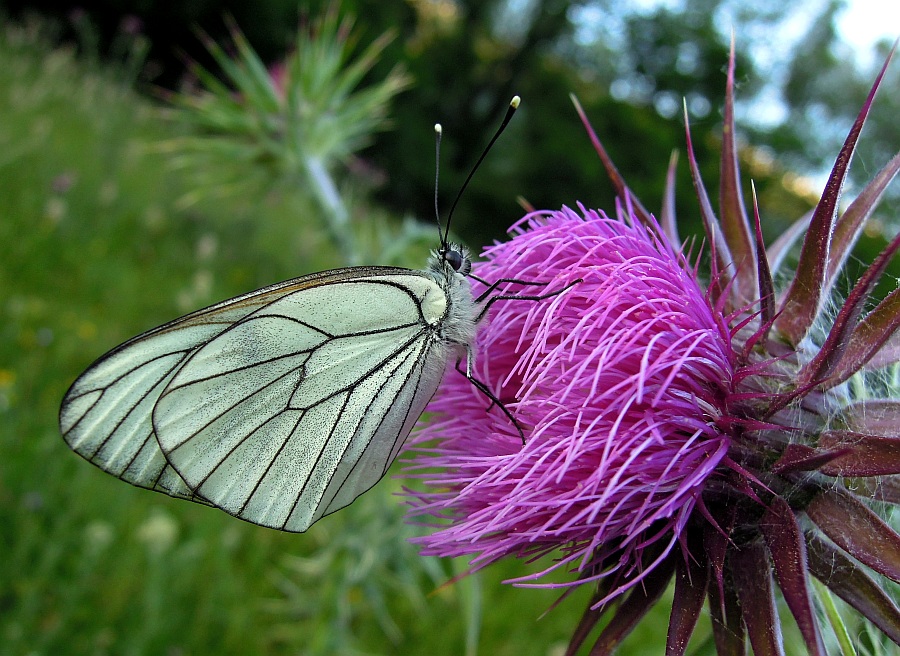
726,434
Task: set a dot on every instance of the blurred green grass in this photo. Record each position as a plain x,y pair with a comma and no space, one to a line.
94,248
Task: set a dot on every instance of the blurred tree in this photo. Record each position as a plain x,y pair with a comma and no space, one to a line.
818,117
172,26
631,64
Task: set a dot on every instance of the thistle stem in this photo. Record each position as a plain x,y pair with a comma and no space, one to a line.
335,214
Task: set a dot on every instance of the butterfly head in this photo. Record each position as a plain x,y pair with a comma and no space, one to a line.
453,257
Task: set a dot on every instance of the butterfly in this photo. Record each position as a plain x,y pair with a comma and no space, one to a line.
282,405
285,404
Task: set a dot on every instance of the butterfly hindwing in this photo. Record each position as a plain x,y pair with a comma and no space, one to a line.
105,416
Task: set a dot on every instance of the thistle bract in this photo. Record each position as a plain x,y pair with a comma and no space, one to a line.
724,434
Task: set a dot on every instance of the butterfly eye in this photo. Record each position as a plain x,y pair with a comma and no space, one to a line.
454,258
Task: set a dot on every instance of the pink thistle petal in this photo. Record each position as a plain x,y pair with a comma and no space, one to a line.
618,384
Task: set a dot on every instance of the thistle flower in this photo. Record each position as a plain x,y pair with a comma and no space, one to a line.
730,435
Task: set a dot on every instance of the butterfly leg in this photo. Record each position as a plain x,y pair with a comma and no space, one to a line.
484,389
470,354
520,297
492,286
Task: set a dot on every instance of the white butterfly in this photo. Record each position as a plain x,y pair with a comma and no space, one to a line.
282,405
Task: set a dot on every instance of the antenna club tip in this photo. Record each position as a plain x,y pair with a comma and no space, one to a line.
514,103
438,129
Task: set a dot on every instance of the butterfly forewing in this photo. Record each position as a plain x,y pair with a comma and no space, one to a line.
390,417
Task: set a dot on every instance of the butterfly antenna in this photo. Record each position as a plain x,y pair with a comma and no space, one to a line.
513,106
438,131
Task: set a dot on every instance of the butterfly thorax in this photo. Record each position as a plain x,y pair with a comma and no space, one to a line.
449,266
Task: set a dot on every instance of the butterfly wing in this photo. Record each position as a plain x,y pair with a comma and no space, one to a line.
105,415
279,407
